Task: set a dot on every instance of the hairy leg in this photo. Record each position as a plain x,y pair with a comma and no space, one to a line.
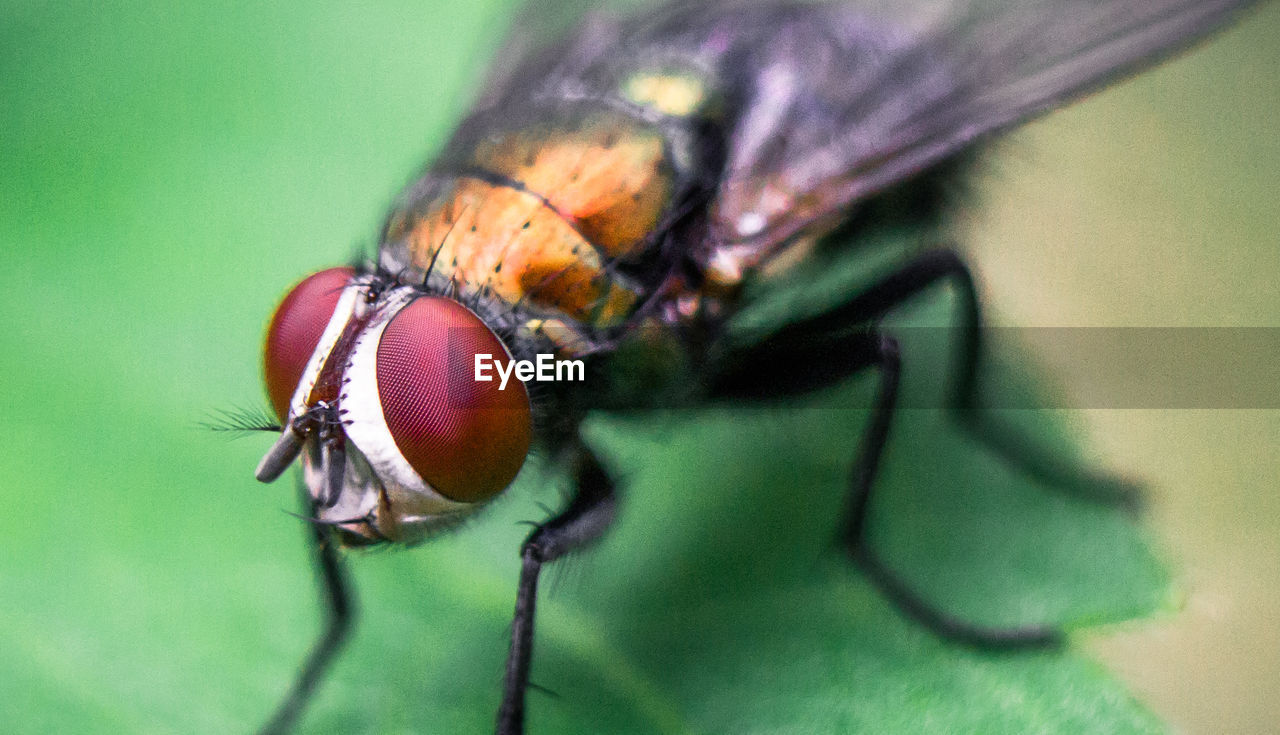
583,521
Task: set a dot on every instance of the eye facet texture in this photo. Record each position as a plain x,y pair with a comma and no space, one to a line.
466,438
295,330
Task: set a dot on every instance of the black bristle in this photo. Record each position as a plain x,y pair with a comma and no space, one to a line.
242,420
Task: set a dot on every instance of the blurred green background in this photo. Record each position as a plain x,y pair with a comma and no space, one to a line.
166,172
1157,203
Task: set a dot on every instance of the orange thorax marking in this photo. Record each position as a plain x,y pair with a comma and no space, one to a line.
579,197
609,176
509,241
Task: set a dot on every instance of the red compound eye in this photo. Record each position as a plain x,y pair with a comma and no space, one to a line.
466,438
295,331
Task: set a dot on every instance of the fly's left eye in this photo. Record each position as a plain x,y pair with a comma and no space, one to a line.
295,330
466,438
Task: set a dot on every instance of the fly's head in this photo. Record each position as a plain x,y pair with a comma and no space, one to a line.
375,386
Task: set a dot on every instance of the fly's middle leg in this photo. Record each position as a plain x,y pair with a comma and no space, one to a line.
881,353
763,371
964,400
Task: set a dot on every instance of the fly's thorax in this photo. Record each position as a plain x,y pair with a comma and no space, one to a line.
397,435
561,218
490,237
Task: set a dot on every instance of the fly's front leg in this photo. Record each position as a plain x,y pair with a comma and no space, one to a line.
340,613
585,519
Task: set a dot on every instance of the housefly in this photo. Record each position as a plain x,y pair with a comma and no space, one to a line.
616,192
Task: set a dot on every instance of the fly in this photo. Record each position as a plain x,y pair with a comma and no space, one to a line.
616,192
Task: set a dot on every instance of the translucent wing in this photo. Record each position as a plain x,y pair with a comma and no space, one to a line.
824,104
540,31
845,107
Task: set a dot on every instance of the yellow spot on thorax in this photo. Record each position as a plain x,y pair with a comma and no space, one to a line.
671,94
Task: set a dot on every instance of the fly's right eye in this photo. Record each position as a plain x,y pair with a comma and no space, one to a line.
467,438
295,330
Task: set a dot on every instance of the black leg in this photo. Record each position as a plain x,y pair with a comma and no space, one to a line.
925,271
882,353
770,369
340,609
587,516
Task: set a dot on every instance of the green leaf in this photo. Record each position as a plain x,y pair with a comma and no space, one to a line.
150,585
717,604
